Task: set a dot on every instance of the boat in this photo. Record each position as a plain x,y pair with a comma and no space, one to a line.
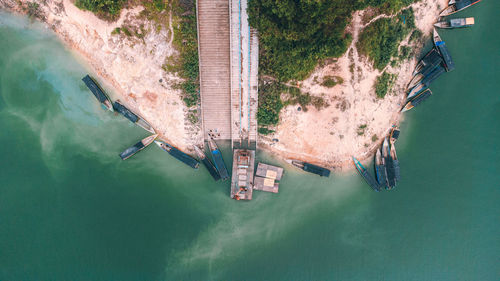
208,164
456,6
394,134
217,158
443,50
311,168
430,58
127,153
455,23
395,163
417,100
134,118
366,175
243,170
389,166
177,154
380,170
425,71
420,87
98,92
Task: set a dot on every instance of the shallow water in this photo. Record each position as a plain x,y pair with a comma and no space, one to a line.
70,209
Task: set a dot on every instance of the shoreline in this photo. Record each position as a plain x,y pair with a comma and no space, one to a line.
134,71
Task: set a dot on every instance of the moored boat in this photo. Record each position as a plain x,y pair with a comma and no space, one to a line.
366,175
177,154
134,118
208,164
98,92
443,50
380,170
456,6
389,166
455,23
127,153
311,168
218,160
395,163
430,58
417,100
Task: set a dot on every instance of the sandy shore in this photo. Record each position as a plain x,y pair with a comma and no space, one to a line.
354,124
356,121
130,66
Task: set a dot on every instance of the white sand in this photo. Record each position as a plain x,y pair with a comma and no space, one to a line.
132,67
332,135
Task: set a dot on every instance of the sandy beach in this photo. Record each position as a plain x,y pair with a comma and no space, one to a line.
354,123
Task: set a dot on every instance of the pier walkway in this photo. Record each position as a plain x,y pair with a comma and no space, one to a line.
228,51
213,47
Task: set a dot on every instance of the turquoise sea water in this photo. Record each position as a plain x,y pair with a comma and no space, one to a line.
70,209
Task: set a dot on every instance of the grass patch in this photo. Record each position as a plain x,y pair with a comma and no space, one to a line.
265,131
384,83
331,81
380,40
104,9
361,129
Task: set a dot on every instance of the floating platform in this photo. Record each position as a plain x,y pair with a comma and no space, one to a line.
242,178
267,178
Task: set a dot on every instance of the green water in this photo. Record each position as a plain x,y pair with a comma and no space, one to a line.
70,209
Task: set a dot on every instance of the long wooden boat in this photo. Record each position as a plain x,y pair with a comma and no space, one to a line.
366,175
395,163
311,168
127,153
179,155
218,160
389,166
456,6
455,23
429,58
98,92
417,100
443,50
134,118
380,170
208,164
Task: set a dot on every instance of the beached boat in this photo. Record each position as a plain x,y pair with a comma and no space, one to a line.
394,134
208,164
456,6
443,50
98,92
127,153
417,100
455,23
431,58
217,158
134,118
311,168
179,155
420,87
366,175
389,166
424,72
380,170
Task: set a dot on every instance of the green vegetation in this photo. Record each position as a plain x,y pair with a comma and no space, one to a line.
185,64
273,96
415,35
265,131
384,84
380,40
331,81
404,52
106,9
374,138
361,129
32,9
295,35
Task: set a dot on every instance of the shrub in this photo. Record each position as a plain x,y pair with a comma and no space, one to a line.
331,81
108,9
383,84
380,40
265,131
